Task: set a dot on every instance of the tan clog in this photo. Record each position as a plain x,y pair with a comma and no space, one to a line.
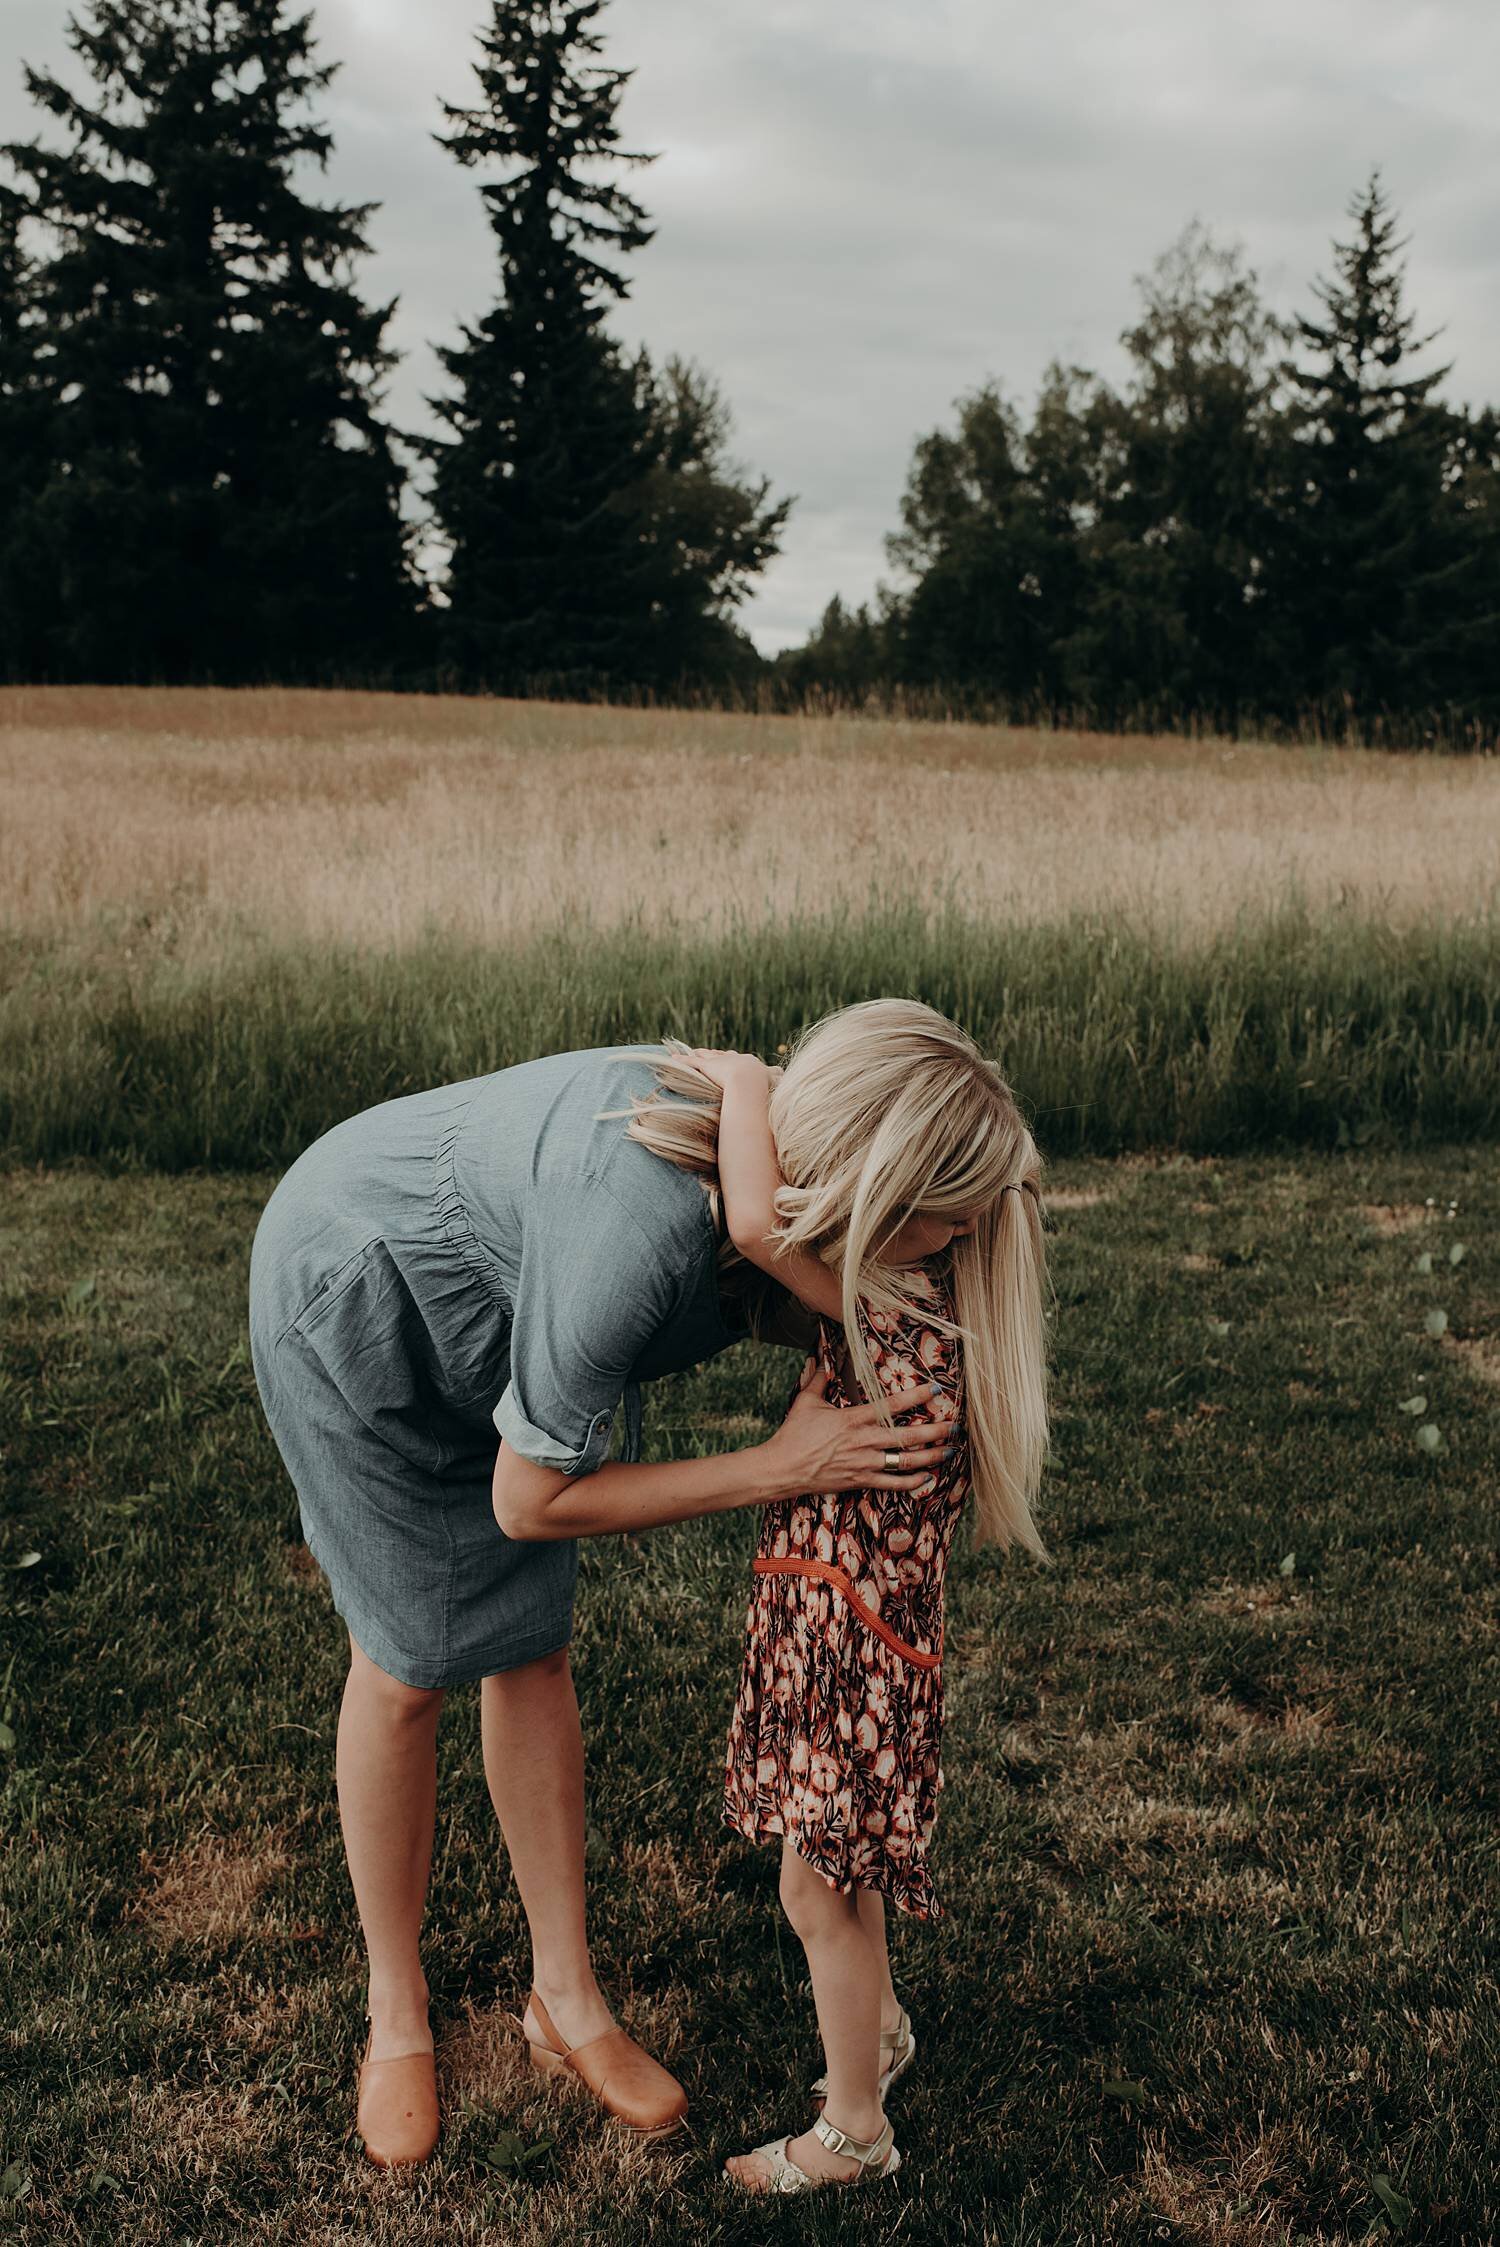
397,2109
632,2087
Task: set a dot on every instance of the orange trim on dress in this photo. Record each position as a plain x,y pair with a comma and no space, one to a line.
765,1565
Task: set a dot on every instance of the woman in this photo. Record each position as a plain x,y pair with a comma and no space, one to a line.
502,1254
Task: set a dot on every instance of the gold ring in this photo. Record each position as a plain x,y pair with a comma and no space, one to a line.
892,1459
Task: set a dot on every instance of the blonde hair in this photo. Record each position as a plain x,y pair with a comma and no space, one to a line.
882,1109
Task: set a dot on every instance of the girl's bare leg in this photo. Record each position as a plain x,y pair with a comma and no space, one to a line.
533,1762
844,1963
386,1767
872,1919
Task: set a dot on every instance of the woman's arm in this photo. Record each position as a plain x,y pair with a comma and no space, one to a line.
749,1176
818,1447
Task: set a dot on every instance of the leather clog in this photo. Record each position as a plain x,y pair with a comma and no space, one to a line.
632,2087
397,2108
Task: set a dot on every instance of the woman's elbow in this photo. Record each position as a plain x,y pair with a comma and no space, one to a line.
522,1494
519,1521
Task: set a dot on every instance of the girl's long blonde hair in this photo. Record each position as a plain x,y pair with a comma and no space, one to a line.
883,1109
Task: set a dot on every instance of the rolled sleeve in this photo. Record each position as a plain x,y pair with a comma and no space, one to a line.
532,1442
593,1290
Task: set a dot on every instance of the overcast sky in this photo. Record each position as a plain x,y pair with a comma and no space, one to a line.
863,211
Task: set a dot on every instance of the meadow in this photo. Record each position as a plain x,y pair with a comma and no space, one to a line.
230,919
1218,1838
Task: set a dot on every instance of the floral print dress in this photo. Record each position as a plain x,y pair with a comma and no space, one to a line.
836,1733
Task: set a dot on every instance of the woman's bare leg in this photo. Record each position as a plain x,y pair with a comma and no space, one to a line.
533,1761
844,1964
387,1790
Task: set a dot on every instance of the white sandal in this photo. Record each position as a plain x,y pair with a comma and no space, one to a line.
878,2157
901,2045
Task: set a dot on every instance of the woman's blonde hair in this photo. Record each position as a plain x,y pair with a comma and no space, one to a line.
883,1109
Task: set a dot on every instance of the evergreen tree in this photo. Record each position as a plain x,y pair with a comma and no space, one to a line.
1231,537
710,529
1471,491
598,536
22,438
550,575
1374,576
847,656
220,498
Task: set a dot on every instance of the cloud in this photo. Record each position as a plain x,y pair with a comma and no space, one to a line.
863,212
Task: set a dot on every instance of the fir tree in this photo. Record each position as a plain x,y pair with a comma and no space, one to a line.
22,439
221,498
847,656
1374,571
709,527
597,535
550,575
1471,489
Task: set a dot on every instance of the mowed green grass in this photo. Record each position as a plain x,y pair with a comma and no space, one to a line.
1217,1842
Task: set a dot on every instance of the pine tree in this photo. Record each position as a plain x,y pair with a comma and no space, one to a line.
1471,654
1372,574
709,527
598,537
221,498
22,439
549,576
846,656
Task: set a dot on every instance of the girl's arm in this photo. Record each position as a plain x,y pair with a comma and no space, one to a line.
749,1177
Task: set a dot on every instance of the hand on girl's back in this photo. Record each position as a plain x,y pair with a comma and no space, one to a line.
823,1447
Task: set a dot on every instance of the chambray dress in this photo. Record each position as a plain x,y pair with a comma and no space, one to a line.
482,1256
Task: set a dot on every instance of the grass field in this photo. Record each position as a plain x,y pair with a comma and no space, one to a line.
231,919
1218,1841
194,821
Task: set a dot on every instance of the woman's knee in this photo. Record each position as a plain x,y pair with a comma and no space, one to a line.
546,1674
402,1703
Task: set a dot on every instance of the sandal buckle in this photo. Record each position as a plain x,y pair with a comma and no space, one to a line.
864,2151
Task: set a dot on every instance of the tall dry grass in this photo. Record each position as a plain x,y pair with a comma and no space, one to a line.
231,919
198,820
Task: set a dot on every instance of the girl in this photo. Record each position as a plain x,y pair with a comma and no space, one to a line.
835,1736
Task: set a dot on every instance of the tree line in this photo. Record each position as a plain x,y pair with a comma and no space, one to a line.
1270,522
197,477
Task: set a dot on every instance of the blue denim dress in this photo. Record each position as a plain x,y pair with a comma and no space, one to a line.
483,1256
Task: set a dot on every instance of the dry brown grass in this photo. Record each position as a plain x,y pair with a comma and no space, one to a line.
1480,1353
1392,1218
1222,2210
208,1891
186,817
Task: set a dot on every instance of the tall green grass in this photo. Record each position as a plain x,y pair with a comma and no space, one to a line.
1298,1027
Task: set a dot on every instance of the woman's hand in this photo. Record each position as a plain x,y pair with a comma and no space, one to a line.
820,1448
